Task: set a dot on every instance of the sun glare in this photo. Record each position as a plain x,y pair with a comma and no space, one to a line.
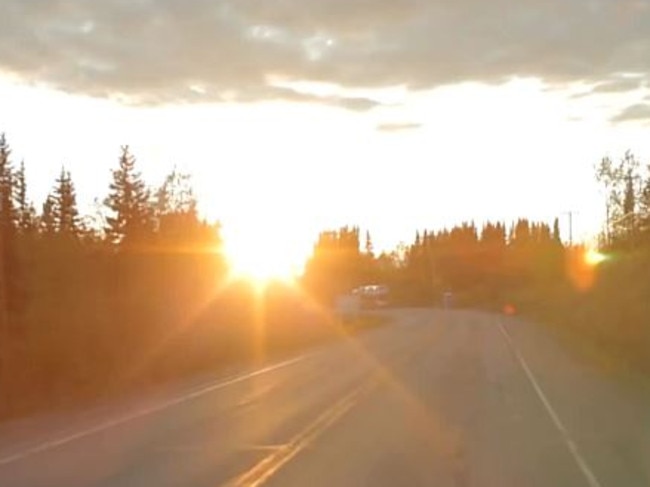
593,257
262,261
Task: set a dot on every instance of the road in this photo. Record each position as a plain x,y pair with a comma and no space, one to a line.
435,398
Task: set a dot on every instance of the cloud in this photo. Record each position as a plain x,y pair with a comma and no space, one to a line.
619,85
358,104
398,126
147,51
638,112
355,103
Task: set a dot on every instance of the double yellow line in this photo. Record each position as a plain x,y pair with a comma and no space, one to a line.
260,473
267,467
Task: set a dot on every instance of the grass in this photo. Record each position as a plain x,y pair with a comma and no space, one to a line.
70,353
606,322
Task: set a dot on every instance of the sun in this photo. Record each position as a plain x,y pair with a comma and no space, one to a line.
259,267
262,260
593,257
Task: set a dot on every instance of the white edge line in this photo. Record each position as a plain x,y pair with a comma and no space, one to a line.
55,443
588,473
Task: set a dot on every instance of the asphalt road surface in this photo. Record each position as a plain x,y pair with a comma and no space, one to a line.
436,398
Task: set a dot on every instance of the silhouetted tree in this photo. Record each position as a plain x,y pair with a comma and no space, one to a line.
624,191
7,208
128,201
521,233
644,205
556,230
176,195
629,197
65,213
336,265
369,246
177,219
8,259
26,214
48,223
610,177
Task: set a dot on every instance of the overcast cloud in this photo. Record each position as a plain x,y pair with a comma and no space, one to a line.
633,113
148,51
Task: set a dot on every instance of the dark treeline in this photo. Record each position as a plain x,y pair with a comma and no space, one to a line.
608,315
136,297
139,294
480,266
82,305
626,185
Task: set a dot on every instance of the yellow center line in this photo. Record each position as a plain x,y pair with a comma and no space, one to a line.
261,472
268,466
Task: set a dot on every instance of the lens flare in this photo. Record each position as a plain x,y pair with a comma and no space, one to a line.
582,266
593,257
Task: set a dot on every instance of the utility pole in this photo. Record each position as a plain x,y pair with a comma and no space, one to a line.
570,214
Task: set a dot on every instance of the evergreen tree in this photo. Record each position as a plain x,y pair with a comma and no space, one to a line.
176,194
7,208
6,257
556,231
66,215
48,224
521,234
8,251
26,214
369,247
128,201
176,216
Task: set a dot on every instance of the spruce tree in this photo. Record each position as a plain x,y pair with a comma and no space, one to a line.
8,250
25,212
556,230
369,247
7,208
48,225
128,201
66,215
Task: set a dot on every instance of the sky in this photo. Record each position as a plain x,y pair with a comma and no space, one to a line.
294,116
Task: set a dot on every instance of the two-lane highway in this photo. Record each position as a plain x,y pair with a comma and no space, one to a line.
435,398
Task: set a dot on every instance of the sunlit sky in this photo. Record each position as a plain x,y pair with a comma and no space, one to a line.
298,116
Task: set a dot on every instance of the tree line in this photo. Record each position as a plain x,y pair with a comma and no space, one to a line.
82,304
488,264
89,307
135,214
626,187
482,266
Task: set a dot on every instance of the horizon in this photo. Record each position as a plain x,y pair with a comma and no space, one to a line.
307,125
248,193
324,242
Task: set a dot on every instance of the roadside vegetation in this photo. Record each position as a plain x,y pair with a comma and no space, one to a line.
601,304
604,310
608,322
139,292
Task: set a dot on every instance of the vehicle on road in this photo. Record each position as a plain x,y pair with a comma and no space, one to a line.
372,296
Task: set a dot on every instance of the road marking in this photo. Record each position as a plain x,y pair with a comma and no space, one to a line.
268,466
584,467
58,442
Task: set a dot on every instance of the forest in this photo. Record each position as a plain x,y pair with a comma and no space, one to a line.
96,308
